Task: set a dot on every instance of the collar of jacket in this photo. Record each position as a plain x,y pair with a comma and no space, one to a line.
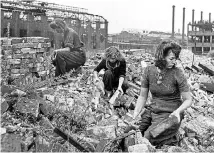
110,67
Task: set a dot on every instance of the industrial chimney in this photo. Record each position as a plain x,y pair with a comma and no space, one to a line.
173,20
209,17
183,27
201,15
193,20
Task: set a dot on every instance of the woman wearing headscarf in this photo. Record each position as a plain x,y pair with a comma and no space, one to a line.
114,65
72,55
167,84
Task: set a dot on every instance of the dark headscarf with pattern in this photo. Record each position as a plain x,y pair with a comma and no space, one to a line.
58,23
162,51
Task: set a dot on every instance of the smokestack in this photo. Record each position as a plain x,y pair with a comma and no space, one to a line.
183,28
173,20
209,17
193,20
201,15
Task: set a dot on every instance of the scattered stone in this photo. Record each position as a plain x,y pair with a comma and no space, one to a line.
26,105
102,131
141,148
10,143
4,106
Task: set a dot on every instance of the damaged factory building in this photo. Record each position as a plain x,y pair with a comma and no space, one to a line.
201,35
29,19
41,112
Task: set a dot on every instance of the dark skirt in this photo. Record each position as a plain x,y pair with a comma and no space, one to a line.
148,121
67,60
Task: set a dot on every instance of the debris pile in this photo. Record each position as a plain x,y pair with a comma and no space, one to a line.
61,115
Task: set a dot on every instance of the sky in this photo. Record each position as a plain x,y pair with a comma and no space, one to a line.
152,15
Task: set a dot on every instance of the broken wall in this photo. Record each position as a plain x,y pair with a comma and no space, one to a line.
23,57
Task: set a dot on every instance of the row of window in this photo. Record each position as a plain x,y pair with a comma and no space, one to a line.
9,15
22,33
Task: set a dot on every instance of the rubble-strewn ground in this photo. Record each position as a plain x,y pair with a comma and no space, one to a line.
70,105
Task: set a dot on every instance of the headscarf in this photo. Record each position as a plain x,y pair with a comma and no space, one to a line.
58,23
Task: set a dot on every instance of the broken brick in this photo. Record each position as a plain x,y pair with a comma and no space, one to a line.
30,106
102,131
10,143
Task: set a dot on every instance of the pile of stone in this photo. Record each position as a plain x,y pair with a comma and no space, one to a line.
21,56
70,107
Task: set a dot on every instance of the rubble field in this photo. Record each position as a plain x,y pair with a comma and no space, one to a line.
64,114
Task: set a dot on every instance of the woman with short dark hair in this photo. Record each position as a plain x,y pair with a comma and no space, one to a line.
167,85
72,55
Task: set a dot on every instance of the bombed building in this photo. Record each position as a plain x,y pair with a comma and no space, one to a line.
201,35
32,18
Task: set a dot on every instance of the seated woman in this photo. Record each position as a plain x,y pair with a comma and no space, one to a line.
72,55
114,65
167,85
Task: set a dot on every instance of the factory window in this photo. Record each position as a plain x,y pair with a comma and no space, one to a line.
206,49
206,39
102,26
8,15
198,49
23,16
5,32
37,18
93,26
73,22
23,33
37,33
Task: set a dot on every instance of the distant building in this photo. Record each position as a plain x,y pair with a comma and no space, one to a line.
132,39
201,37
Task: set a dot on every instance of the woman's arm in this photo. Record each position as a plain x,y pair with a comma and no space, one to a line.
185,94
121,80
141,101
187,101
100,66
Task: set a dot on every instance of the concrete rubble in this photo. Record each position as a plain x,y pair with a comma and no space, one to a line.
68,104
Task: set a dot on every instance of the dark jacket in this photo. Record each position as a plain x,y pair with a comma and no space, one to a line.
118,71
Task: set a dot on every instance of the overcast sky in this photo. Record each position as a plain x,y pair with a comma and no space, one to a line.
143,14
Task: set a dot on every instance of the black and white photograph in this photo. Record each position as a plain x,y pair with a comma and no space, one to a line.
107,76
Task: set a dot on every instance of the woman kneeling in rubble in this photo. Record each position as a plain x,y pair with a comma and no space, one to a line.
72,55
114,65
167,85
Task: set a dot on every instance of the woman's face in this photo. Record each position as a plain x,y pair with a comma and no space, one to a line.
112,59
170,59
113,56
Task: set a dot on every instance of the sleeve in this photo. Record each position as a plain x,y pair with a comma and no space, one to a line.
101,66
68,42
145,78
122,69
181,81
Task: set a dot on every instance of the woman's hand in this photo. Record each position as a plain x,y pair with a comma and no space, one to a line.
176,113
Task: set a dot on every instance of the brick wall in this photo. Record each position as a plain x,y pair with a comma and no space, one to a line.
21,56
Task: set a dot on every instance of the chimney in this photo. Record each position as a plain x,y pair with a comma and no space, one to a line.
201,15
173,20
183,27
209,17
193,20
